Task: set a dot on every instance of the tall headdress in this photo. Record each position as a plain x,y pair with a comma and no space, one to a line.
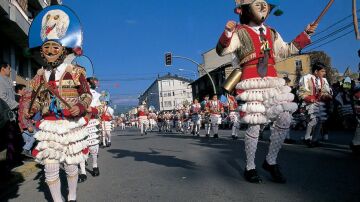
57,23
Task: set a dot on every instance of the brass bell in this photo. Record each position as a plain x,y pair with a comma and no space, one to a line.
232,80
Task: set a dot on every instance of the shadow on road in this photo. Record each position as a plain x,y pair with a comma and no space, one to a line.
154,157
9,186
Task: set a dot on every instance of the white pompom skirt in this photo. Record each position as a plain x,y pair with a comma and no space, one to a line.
266,98
61,141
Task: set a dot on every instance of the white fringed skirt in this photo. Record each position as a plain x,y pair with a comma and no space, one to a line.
92,128
265,99
62,141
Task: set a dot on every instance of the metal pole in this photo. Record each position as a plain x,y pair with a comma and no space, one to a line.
193,61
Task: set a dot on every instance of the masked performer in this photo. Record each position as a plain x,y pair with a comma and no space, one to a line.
215,108
205,116
106,117
195,111
152,118
62,95
93,129
315,92
256,47
143,118
234,116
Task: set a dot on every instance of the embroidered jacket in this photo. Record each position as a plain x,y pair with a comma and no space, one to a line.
70,84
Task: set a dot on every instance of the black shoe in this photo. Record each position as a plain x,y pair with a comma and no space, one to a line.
193,132
82,178
72,201
252,176
289,141
355,148
198,134
307,142
207,135
274,171
95,172
234,137
145,133
216,136
108,144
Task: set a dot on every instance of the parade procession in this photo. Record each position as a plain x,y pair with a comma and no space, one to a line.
106,101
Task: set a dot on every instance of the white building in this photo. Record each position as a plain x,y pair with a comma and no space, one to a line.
168,92
213,61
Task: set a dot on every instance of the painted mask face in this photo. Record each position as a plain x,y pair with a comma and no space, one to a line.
259,10
52,52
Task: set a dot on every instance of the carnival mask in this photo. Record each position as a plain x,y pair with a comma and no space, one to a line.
53,53
259,10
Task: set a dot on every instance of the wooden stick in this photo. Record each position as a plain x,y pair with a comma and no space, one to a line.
355,19
323,12
57,95
36,94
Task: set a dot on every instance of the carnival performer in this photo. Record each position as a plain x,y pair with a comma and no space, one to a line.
62,95
107,115
343,104
315,92
205,116
152,118
215,108
257,47
122,121
186,119
93,129
167,119
195,111
234,116
355,143
143,118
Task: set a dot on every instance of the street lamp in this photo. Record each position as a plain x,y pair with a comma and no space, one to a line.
167,55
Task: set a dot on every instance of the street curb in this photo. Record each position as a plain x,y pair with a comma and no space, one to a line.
20,175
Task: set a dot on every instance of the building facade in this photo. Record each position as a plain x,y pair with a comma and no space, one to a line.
168,92
15,19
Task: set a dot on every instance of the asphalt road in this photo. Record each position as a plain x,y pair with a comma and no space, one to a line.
178,167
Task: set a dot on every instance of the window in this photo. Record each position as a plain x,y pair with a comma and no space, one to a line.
166,94
298,65
167,103
166,83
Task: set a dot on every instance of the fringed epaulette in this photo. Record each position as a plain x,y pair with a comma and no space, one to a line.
37,80
247,51
76,72
273,32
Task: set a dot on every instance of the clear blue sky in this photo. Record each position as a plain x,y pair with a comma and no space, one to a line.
127,39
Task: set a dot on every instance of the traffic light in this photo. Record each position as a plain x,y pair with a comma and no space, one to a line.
168,59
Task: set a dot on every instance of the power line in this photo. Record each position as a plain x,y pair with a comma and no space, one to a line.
331,34
334,24
331,40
